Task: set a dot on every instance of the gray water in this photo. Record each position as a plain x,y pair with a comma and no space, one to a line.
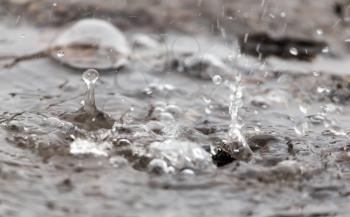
167,122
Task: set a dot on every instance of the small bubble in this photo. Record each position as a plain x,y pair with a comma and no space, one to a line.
217,79
207,100
283,14
293,51
325,50
304,109
158,166
316,74
207,110
319,32
54,4
60,54
323,90
188,172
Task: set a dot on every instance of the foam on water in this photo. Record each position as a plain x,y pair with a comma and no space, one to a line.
181,155
85,146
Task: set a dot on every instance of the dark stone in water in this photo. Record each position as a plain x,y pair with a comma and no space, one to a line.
261,44
222,158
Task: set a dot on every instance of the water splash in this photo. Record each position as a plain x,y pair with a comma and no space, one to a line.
236,103
90,77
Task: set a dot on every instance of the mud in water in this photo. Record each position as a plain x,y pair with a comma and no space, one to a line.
157,143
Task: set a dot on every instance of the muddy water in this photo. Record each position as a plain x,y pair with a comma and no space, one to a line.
300,165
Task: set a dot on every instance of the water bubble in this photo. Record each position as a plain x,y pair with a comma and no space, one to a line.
336,130
293,51
158,166
331,108
217,79
283,14
54,4
304,108
60,53
323,90
319,32
206,99
207,110
325,50
180,155
316,74
317,118
188,172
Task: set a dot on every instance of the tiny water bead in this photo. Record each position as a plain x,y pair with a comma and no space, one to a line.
217,79
60,54
293,51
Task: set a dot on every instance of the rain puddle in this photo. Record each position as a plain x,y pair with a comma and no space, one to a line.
139,127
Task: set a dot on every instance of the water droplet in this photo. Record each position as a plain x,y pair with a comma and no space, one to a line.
283,14
188,172
207,110
217,79
323,90
60,53
316,74
293,51
304,108
90,77
54,4
206,99
158,166
319,32
301,128
325,50
336,130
